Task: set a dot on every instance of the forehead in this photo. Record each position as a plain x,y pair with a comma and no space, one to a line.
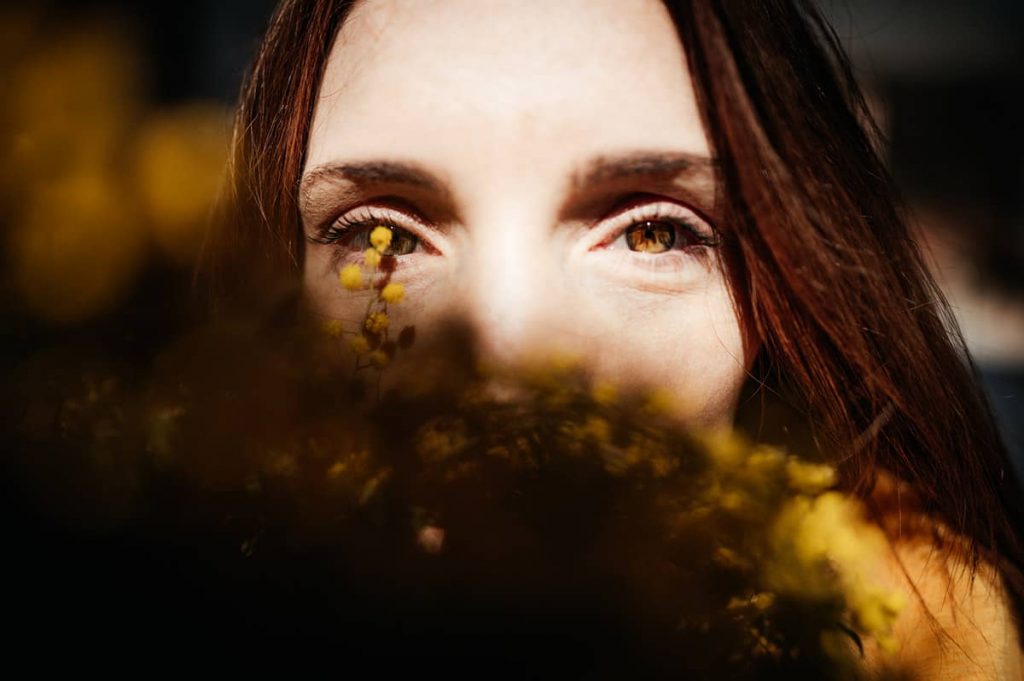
462,84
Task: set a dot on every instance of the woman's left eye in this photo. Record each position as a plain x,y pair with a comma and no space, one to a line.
658,235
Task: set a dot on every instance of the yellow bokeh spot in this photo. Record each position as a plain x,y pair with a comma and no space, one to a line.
180,162
76,247
379,358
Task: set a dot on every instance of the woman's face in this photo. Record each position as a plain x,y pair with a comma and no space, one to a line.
547,176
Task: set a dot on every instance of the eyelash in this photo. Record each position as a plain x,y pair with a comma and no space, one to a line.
352,226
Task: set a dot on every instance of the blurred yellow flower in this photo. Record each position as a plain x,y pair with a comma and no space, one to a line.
77,247
392,293
359,345
822,540
597,428
604,393
809,478
379,358
351,277
380,237
180,158
660,402
376,322
333,327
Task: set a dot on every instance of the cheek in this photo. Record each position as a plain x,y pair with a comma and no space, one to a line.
688,344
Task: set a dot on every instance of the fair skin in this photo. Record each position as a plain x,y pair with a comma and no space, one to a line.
562,198
549,179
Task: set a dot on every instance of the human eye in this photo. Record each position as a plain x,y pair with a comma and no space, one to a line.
661,234
651,235
652,243
350,233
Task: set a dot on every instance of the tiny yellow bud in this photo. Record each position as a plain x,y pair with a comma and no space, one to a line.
379,358
392,293
380,237
360,345
376,322
333,327
371,256
351,277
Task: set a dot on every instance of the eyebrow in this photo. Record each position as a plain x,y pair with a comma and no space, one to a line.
600,170
652,165
376,172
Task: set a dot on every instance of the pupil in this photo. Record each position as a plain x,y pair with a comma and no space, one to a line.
651,237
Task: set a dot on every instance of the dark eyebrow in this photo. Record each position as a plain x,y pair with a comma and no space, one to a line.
375,172
655,165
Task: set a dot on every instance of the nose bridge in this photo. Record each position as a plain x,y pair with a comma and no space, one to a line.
509,280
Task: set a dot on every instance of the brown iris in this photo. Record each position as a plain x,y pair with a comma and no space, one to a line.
650,236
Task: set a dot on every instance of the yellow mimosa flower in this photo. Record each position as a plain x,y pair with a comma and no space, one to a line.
392,293
333,327
359,345
371,256
351,277
376,322
380,237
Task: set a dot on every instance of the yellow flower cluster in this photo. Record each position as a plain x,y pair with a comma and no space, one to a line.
820,540
371,340
376,322
819,547
752,516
